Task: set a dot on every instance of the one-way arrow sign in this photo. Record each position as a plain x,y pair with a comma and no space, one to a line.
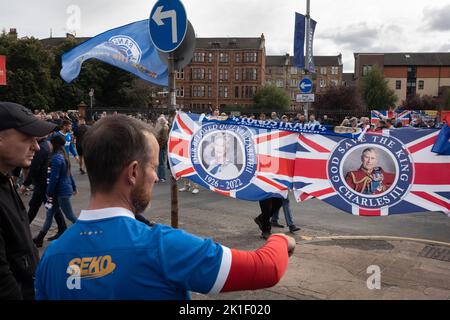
168,24
305,85
172,14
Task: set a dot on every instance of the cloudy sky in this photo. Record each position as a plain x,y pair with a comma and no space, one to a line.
343,26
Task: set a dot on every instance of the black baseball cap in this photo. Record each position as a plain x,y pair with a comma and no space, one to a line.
16,116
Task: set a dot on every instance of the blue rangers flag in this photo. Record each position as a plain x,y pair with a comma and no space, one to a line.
299,41
128,47
304,42
442,145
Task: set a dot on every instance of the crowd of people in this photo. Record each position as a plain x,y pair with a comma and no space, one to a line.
124,156
109,251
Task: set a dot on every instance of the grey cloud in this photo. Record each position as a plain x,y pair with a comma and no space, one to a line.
357,36
445,47
437,18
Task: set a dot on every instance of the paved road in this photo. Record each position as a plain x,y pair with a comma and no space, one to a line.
325,269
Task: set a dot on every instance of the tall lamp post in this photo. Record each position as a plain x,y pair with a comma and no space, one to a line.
308,49
91,96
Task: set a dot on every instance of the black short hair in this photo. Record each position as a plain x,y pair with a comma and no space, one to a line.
110,145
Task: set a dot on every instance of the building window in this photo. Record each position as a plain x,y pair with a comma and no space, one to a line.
238,58
398,84
294,70
334,82
280,83
250,74
421,84
223,74
179,74
180,92
366,69
199,57
198,91
236,74
223,57
334,70
293,95
209,91
322,83
294,83
223,92
209,75
210,57
323,70
248,91
250,57
198,74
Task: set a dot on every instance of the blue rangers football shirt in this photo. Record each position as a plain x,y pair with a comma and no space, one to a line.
108,254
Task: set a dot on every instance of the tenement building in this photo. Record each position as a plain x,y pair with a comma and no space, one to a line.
223,71
281,72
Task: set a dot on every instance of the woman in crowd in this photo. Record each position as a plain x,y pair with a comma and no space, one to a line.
60,187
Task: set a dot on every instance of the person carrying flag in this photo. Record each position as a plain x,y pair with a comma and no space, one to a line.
108,254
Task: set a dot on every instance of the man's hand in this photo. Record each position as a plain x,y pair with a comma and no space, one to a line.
75,193
77,159
22,189
291,243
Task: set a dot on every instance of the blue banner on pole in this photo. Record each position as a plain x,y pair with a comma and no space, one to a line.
299,41
309,63
442,144
127,47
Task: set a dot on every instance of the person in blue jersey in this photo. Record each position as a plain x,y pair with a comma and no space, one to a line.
66,132
60,188
108,254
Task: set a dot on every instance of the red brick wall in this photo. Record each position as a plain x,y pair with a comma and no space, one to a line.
395,72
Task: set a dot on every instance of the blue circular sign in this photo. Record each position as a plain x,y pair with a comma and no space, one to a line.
224,156
305,85
168,24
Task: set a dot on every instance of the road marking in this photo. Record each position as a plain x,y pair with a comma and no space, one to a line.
308,238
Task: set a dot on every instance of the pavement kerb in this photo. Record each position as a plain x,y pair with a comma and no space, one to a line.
308,239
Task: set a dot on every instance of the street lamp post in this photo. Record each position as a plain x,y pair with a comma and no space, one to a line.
91,96
308,22
172,113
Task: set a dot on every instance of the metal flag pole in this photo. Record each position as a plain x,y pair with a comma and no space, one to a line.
308,23
172,114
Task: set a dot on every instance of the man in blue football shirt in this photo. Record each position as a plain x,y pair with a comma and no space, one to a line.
66,132
108,254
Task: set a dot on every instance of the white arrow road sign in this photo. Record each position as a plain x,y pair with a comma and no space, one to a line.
172,14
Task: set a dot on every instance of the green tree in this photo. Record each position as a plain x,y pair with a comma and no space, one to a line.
416,102
273,98
376,92
109,83
340,98
446,99
28,67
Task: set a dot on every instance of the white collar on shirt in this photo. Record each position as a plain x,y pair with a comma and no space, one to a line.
105,213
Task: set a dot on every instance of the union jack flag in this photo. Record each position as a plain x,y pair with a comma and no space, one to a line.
275,153
376,115
430,189
404,117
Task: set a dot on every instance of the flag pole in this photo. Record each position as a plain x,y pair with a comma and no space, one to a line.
308,23
172,114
